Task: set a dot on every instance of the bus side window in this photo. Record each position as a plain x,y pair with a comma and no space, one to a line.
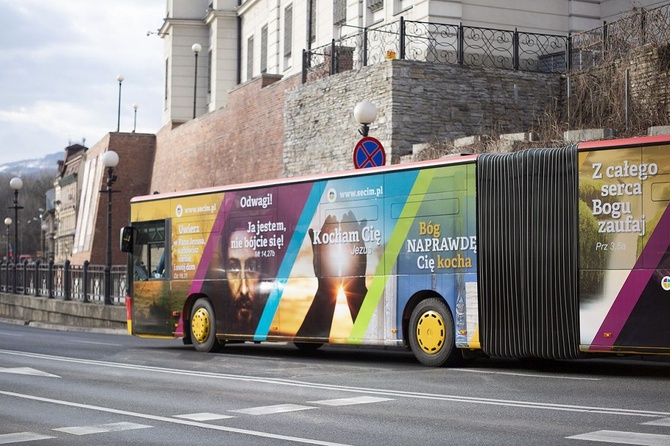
149,254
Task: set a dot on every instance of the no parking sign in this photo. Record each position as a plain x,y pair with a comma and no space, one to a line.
369,152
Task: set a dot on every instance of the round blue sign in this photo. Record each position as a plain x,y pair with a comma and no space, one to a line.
369,152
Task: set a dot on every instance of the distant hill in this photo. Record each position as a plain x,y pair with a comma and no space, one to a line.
22,168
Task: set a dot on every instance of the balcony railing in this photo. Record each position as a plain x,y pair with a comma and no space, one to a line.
438,43
486,47
83,283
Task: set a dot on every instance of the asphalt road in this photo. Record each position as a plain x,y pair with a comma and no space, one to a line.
69,388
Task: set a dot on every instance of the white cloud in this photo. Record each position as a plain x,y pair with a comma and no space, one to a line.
60,61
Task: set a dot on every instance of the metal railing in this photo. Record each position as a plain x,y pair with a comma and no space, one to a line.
83,283
613,41
487,47
439,43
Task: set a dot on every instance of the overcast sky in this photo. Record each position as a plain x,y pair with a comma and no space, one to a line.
59,60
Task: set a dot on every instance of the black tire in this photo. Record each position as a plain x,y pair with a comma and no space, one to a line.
307,347
203,327
431,334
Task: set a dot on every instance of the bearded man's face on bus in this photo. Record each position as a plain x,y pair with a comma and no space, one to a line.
243,273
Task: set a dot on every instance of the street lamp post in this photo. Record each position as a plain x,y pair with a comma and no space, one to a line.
196,48
44,240
365,113
135,107
8,223
118,115
16,183
109,159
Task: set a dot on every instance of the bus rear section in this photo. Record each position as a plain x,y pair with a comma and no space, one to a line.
574,250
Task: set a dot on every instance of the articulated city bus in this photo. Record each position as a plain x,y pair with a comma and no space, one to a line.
549,253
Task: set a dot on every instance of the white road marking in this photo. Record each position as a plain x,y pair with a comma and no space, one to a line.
173,420
96,343
27,371
351,389
267,410
624,438
21,437
526,375
6,333
204,416
101,428
662,422
351,401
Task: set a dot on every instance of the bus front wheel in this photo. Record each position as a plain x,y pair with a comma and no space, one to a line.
203,327
431,334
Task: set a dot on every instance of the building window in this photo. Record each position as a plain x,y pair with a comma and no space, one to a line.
209,72
288,30
167,68
264,49
311,21
250,58
339,12
375,5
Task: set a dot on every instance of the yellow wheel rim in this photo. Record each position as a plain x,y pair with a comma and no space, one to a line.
430,332
201,325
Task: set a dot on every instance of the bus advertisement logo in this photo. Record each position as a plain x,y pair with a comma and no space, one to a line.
665,283
179,211
332,195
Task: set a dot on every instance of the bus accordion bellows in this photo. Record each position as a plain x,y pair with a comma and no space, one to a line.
545,253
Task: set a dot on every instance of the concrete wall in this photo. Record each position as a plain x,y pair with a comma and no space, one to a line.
74,315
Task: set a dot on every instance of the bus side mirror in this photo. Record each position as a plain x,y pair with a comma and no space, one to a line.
127,239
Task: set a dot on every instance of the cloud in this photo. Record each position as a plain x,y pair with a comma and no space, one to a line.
60,61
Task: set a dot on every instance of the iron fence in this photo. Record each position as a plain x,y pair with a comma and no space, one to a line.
439,43
487,47
613,41
83,283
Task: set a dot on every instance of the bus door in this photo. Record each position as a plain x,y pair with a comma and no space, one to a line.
152,312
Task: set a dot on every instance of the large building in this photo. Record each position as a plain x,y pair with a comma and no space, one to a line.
239,42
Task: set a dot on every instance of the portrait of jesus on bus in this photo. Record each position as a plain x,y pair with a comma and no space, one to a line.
235,280
243,275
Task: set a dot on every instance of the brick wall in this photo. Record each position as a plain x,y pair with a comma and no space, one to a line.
136,156
416,103
240,143
275,128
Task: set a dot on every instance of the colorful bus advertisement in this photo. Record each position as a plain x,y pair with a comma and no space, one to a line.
327,261
552,253
624,225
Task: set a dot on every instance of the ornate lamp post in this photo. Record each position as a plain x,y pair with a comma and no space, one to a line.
109,159
44,240
16,184
135,107
8,223
118,115
365,113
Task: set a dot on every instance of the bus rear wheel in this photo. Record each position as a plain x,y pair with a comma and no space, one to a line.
431,334
203,327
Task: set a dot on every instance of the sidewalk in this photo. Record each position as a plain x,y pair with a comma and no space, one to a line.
62,315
